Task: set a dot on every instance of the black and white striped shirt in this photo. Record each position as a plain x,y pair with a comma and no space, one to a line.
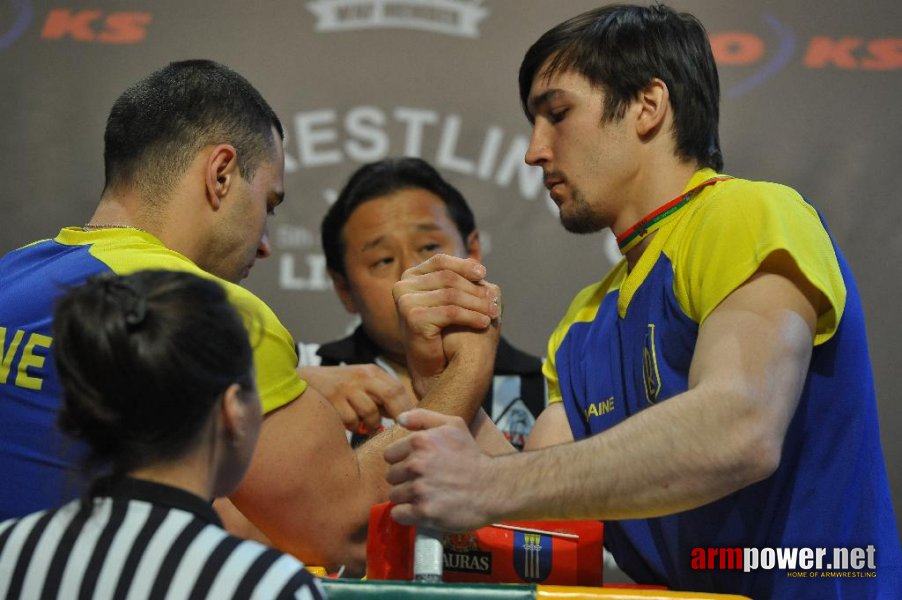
141,540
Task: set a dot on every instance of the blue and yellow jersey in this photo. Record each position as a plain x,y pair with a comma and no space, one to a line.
37,462
627,343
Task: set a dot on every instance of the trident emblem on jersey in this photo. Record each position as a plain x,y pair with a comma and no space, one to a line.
650,376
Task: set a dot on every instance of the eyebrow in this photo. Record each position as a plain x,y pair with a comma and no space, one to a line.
427,227
372,243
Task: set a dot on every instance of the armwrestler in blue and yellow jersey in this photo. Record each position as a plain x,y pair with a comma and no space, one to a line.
627,342
38,463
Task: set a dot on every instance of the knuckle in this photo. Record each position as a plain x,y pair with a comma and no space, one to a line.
369,412
447,295
456,313
410,272
417,511
418,441
370,371
405,303
399,289
420,319
448,278
419,489
399,494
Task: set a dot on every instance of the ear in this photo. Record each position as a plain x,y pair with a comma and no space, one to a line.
221,171
343,289
234,413
653,104
474,247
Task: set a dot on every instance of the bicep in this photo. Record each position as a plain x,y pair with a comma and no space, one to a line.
551,428
755,347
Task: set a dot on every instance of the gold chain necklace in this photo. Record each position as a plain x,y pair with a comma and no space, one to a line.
91,226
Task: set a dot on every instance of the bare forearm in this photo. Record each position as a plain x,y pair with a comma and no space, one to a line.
304,488
458,391
726,432
654,473
488,436
663,465
318,508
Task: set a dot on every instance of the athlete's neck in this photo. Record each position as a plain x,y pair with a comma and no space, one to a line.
663,184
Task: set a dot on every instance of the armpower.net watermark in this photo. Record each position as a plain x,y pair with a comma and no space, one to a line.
796,562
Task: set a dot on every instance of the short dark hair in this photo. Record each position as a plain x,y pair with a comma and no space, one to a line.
142,360
621,48
156,126
382,178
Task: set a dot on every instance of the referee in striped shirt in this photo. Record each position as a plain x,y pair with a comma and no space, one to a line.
157,376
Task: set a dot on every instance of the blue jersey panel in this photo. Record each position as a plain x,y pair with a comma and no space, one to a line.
36,461
830,490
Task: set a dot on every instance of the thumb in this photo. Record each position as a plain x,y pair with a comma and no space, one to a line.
419,419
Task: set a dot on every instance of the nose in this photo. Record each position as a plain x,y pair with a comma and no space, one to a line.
264,249
538,152
408,260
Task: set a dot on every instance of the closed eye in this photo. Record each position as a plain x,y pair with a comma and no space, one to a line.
557,116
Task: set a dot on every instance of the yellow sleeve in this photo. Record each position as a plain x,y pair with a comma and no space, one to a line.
734,228
275,354
550,373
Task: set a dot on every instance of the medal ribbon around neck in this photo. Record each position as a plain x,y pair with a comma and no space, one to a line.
653,221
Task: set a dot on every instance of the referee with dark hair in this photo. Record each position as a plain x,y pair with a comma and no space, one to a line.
157,377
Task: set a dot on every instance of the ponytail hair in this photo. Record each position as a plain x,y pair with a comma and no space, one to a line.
142,361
